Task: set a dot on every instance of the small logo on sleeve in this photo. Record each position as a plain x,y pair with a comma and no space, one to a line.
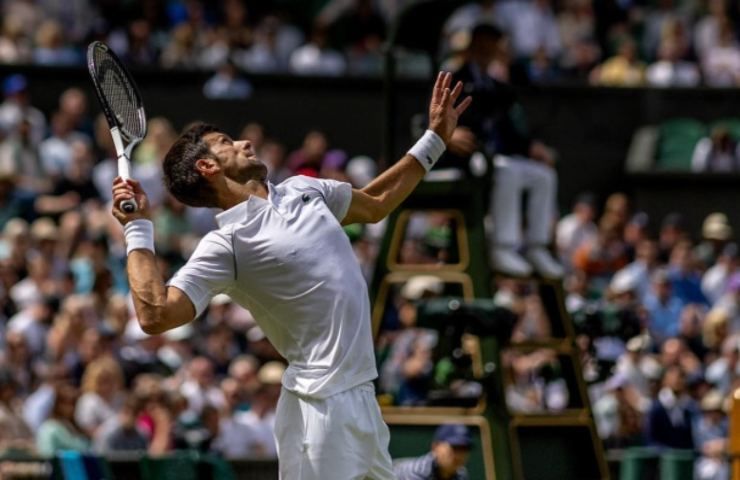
305,197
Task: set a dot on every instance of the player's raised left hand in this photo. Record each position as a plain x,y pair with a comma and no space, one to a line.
443,113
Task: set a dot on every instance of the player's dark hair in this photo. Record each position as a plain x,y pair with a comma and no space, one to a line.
181,177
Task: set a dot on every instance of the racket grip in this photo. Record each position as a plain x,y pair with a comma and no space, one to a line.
129,206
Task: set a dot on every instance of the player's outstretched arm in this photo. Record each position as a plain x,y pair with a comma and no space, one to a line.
387,191
158,308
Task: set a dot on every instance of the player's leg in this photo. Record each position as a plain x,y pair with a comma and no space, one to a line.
382,467
322,439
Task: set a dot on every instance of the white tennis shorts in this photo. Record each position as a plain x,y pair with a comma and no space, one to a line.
342,437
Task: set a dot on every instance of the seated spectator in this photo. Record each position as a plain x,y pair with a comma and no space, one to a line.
672,231
407,371
260,418
51,47
619,413
715,331
670,418
235,439
717,153
604,255
682,271
622,70
274,41
730,302
14,433
446,460
15,46
722,372
663,308
711,434
316,57
671,70
308,159
119,433
182,50
716,232
636,230
102,383
531,26
707,29
59,431
716,279
690,330
643,267
577,23
200,387
19,155
227,84
17,107
721,64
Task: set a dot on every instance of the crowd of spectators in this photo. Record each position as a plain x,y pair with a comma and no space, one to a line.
656,313
680,43
656,317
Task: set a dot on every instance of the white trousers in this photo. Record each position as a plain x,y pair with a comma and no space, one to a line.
512,177
342,437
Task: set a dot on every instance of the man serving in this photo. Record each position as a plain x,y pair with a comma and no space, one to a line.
280,252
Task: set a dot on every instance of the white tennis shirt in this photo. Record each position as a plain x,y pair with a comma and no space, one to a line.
287,260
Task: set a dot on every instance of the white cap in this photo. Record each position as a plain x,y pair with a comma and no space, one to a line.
417,285
623,282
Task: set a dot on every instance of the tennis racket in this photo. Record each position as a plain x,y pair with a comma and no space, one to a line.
122,105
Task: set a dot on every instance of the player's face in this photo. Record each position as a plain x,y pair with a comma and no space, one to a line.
237,158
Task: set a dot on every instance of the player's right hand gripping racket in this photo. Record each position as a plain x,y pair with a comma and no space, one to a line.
122,105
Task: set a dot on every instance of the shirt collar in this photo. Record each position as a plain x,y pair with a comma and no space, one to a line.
240,212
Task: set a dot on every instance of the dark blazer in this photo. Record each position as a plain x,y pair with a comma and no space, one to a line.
662,433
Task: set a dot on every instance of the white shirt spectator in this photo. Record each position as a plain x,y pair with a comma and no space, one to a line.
664,73
531,25
263,431
237,439
312,60
92,411
721,66
198,397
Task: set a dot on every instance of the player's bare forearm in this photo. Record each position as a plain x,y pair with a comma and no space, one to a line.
148,290
158,307
381,196
385,193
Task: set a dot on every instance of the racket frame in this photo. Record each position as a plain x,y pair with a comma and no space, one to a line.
123,153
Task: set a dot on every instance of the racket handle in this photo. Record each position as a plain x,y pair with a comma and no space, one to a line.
129,206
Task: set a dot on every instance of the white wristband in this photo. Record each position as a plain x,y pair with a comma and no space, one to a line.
139,234
428,149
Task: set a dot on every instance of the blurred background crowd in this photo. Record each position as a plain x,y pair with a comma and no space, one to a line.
662,43
657,311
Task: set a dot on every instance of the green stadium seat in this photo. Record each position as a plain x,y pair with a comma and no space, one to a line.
677,139
677,465
638,463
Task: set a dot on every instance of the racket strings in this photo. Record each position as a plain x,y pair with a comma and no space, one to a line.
120,94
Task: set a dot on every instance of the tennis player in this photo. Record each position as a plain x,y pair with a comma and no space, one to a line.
280,252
